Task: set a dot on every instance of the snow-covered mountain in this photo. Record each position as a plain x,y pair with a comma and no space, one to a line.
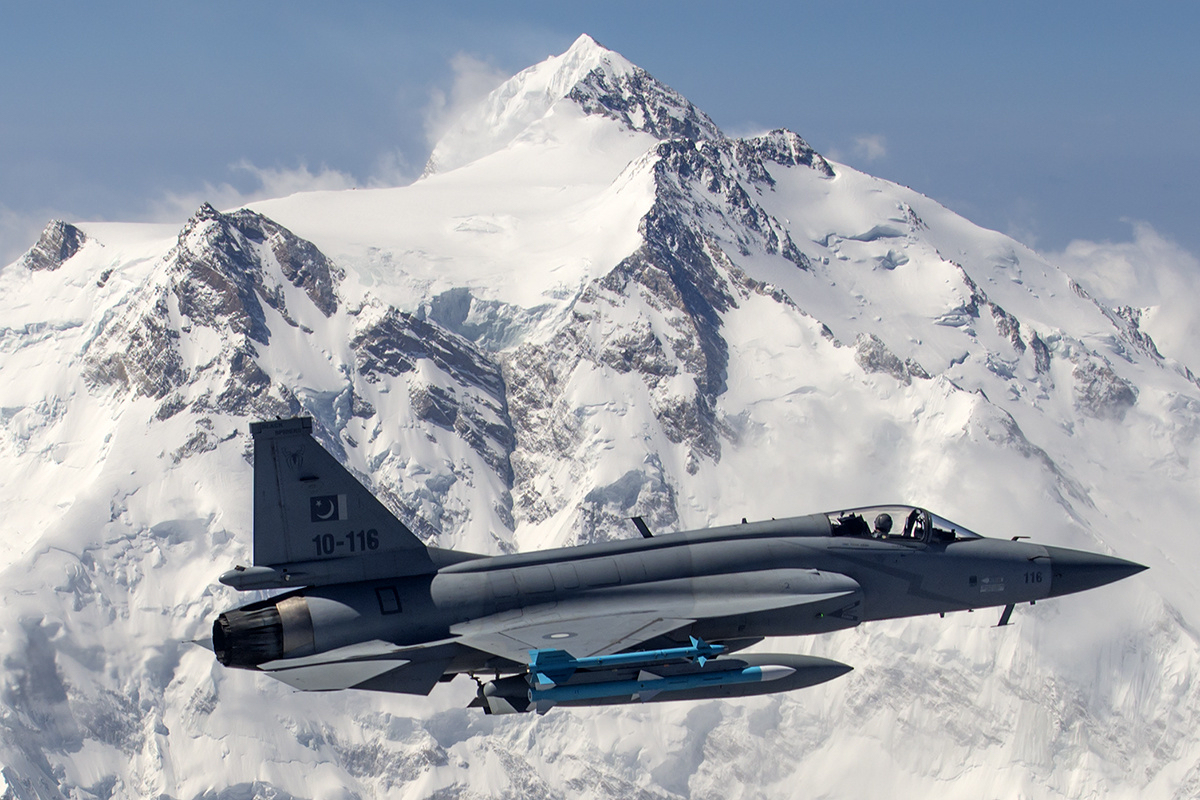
593,305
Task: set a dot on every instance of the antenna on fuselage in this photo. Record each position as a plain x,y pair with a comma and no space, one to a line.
642,527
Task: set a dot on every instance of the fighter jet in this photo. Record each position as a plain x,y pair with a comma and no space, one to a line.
646,619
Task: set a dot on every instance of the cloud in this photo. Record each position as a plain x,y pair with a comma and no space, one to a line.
283,182
391,168
747,130
474,80
867,148
267,183
1152,273
1140,272
1024,221
870,147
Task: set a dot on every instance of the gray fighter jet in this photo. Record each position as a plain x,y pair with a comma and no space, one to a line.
646,619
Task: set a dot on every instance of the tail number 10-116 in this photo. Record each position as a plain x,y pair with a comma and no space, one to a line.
353,542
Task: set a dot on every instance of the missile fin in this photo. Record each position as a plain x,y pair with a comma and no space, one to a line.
550,667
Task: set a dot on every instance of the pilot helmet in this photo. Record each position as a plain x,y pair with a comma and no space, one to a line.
883,523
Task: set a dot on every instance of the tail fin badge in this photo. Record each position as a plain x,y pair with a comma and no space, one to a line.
294,458
328,508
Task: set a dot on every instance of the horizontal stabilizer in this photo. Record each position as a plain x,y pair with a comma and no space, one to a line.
375,665
359,651
337,675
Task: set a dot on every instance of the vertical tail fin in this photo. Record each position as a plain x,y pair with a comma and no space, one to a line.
308,507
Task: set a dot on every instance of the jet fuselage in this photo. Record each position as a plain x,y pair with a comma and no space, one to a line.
406,616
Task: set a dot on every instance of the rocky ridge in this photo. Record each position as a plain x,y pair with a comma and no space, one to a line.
58,242
197,336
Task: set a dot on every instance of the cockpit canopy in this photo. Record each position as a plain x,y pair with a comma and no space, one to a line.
897,523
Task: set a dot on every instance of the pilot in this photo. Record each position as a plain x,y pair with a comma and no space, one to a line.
883,526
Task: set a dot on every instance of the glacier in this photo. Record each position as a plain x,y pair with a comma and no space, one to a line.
593,305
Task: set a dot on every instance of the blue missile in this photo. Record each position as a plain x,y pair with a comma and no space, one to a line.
646,686
747,674
550,667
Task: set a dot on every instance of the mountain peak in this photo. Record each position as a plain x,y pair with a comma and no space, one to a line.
58,242
205,212
595,78
584,55
231,249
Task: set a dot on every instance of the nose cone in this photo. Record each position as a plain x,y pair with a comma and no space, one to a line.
1075,570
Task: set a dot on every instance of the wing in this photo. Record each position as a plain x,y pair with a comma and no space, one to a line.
580,632
621,618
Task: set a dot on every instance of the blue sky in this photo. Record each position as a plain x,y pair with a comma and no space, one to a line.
1049,121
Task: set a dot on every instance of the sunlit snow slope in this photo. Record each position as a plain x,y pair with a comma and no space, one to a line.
593,305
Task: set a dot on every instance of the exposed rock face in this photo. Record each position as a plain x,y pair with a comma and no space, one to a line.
140,352
1127,321
223,267
874,356
58,242
199,335
1041,353
704,179
391,342
222,270
302,263
218,279
787,149
677,272
1100,392
1008,326
642,103
224,274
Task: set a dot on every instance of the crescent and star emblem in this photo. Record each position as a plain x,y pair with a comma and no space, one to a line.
324,508
327,508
